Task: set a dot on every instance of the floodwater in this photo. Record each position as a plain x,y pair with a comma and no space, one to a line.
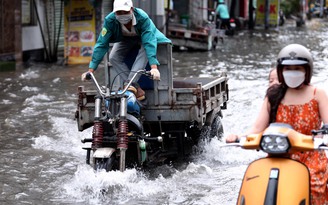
42,161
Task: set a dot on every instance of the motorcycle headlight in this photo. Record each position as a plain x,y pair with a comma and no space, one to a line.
275,144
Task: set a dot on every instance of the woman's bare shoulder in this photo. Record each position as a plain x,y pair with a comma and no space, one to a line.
321,93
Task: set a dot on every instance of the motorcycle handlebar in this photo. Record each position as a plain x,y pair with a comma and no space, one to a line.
144,72
318,140
323,130
90,75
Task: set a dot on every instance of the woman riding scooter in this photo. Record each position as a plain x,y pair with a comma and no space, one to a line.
294,101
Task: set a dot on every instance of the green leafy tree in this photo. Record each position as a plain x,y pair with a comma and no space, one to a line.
290,7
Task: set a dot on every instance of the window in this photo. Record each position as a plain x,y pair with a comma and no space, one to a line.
28,14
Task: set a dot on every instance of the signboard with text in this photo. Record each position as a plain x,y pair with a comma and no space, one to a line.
273,12
79,31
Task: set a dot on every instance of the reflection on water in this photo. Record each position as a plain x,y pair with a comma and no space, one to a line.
42,157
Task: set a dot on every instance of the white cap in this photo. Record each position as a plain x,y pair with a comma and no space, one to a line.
122,5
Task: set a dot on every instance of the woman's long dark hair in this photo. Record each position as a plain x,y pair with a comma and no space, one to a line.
275,94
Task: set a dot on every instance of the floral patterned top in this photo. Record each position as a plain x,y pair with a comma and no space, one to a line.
304,118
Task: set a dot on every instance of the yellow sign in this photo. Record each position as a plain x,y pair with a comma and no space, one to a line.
273,12
79,31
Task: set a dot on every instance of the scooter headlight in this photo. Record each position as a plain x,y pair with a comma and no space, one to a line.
275,144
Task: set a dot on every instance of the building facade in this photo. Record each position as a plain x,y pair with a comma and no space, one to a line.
33,30
10,33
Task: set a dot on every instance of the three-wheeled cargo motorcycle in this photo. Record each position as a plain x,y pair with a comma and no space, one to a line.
127,133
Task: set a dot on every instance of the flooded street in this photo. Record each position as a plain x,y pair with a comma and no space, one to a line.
42,160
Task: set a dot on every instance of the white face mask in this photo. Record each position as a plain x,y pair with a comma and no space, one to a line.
293,78
124,19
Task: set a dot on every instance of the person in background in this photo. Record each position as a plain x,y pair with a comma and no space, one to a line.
273,77
296,102
223,14
128,27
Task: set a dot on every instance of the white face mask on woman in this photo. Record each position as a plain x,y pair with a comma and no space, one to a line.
124,19
293,78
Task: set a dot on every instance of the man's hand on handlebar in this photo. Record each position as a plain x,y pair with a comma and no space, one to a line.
85,76
155,72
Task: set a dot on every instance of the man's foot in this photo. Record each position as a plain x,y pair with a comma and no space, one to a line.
138,92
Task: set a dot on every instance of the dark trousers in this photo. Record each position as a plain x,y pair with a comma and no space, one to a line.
225,24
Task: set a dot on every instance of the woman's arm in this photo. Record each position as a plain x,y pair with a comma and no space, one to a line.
262,122
322,99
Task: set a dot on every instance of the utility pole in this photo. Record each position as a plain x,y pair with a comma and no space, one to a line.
321,8
250,15
267,14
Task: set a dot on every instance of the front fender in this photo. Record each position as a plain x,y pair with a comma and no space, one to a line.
134,123
105,152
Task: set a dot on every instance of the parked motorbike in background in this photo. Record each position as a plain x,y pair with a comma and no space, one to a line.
278,179
232,27
317,11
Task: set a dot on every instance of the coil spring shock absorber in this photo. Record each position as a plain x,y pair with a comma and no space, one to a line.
97,135
98,129
122,134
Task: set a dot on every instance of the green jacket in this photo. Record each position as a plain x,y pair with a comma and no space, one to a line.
112,33
222,11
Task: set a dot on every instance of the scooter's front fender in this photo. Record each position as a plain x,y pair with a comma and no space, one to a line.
104,152
275,181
